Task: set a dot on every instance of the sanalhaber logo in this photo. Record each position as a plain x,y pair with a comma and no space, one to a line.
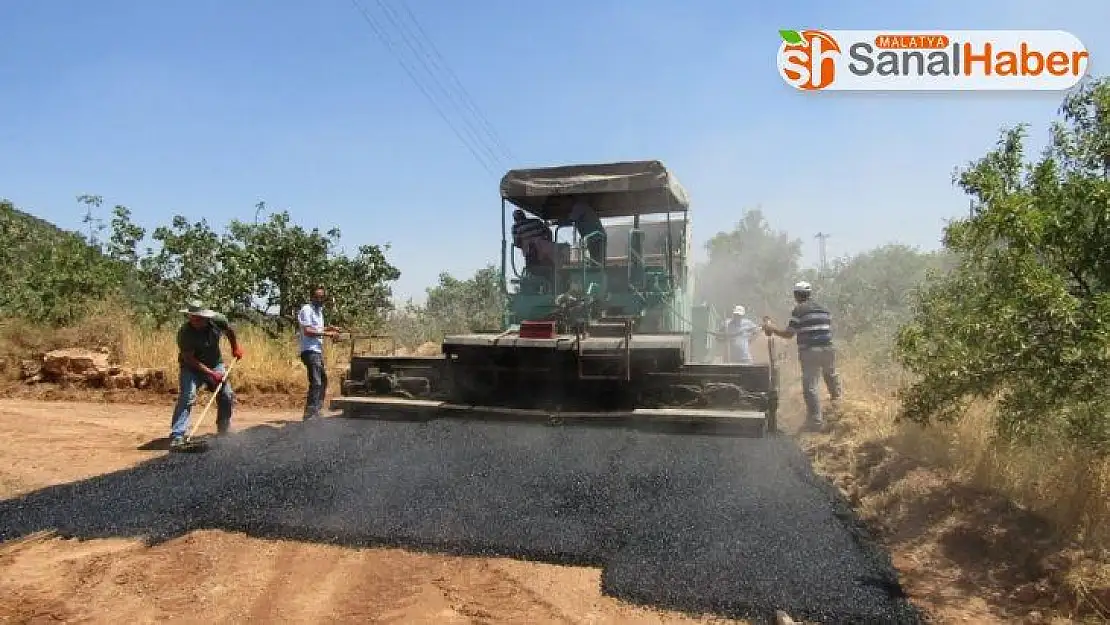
959,60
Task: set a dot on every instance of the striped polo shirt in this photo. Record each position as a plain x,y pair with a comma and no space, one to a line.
812,325
528,230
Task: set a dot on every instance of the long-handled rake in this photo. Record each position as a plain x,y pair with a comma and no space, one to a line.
192,445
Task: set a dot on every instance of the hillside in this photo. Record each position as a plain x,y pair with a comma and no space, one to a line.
34,230
50,274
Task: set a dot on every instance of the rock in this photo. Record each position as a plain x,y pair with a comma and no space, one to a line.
140,378
122,379
89,368
30,369
95,378
73,361
149,379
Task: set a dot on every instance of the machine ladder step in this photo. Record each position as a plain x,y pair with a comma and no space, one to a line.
620,359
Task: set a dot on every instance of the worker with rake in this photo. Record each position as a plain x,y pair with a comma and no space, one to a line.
201,364
811,323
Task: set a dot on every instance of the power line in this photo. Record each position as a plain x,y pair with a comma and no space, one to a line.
387,11
379,32
468,101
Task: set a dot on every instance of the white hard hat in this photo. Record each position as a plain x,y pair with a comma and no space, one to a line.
802,287
739,310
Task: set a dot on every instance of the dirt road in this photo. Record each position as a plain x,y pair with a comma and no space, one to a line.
215,576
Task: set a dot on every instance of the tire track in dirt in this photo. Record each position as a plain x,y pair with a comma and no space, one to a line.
489,594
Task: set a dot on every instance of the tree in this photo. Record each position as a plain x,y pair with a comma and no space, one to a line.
751,265
48,275
277,263
476,303
871,293
188,265
1025,315
254,271
453,306
359,286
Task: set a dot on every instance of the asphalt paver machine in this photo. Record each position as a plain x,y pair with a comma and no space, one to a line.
610,338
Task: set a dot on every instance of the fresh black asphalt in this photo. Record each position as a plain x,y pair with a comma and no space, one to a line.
735,526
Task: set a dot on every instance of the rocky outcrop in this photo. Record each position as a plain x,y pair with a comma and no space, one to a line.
90,368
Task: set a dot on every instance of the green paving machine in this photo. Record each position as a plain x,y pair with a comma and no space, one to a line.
599,324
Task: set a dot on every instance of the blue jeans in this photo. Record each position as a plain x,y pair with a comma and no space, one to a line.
317,382
188,381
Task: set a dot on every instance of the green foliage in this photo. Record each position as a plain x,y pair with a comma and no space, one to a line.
871,294
752,265
276,264
1025,315
453,306
49,275
256,271
477,303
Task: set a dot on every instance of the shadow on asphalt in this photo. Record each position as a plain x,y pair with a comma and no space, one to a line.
734,526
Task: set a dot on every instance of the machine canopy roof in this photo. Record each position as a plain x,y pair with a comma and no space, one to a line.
612,189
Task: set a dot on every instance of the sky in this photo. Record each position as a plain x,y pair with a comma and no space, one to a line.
205,108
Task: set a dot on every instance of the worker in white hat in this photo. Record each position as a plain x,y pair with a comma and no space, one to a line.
739,331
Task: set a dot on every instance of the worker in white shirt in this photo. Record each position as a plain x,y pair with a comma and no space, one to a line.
313,330
739,330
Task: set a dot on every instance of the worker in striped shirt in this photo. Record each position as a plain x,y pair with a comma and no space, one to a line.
533,237
811,323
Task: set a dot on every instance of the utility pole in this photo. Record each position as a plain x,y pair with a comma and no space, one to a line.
821,237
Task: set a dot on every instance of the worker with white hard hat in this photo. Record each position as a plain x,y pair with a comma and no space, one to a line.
811,323
739,330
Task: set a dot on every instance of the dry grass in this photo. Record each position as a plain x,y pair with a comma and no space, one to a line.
1017,528
270,365
1052,479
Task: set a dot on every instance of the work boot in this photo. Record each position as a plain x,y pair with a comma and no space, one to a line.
814,425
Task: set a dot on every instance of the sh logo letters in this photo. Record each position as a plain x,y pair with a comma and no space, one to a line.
807,59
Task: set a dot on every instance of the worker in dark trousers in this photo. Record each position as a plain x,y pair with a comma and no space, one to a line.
313,330
588,224
811,323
